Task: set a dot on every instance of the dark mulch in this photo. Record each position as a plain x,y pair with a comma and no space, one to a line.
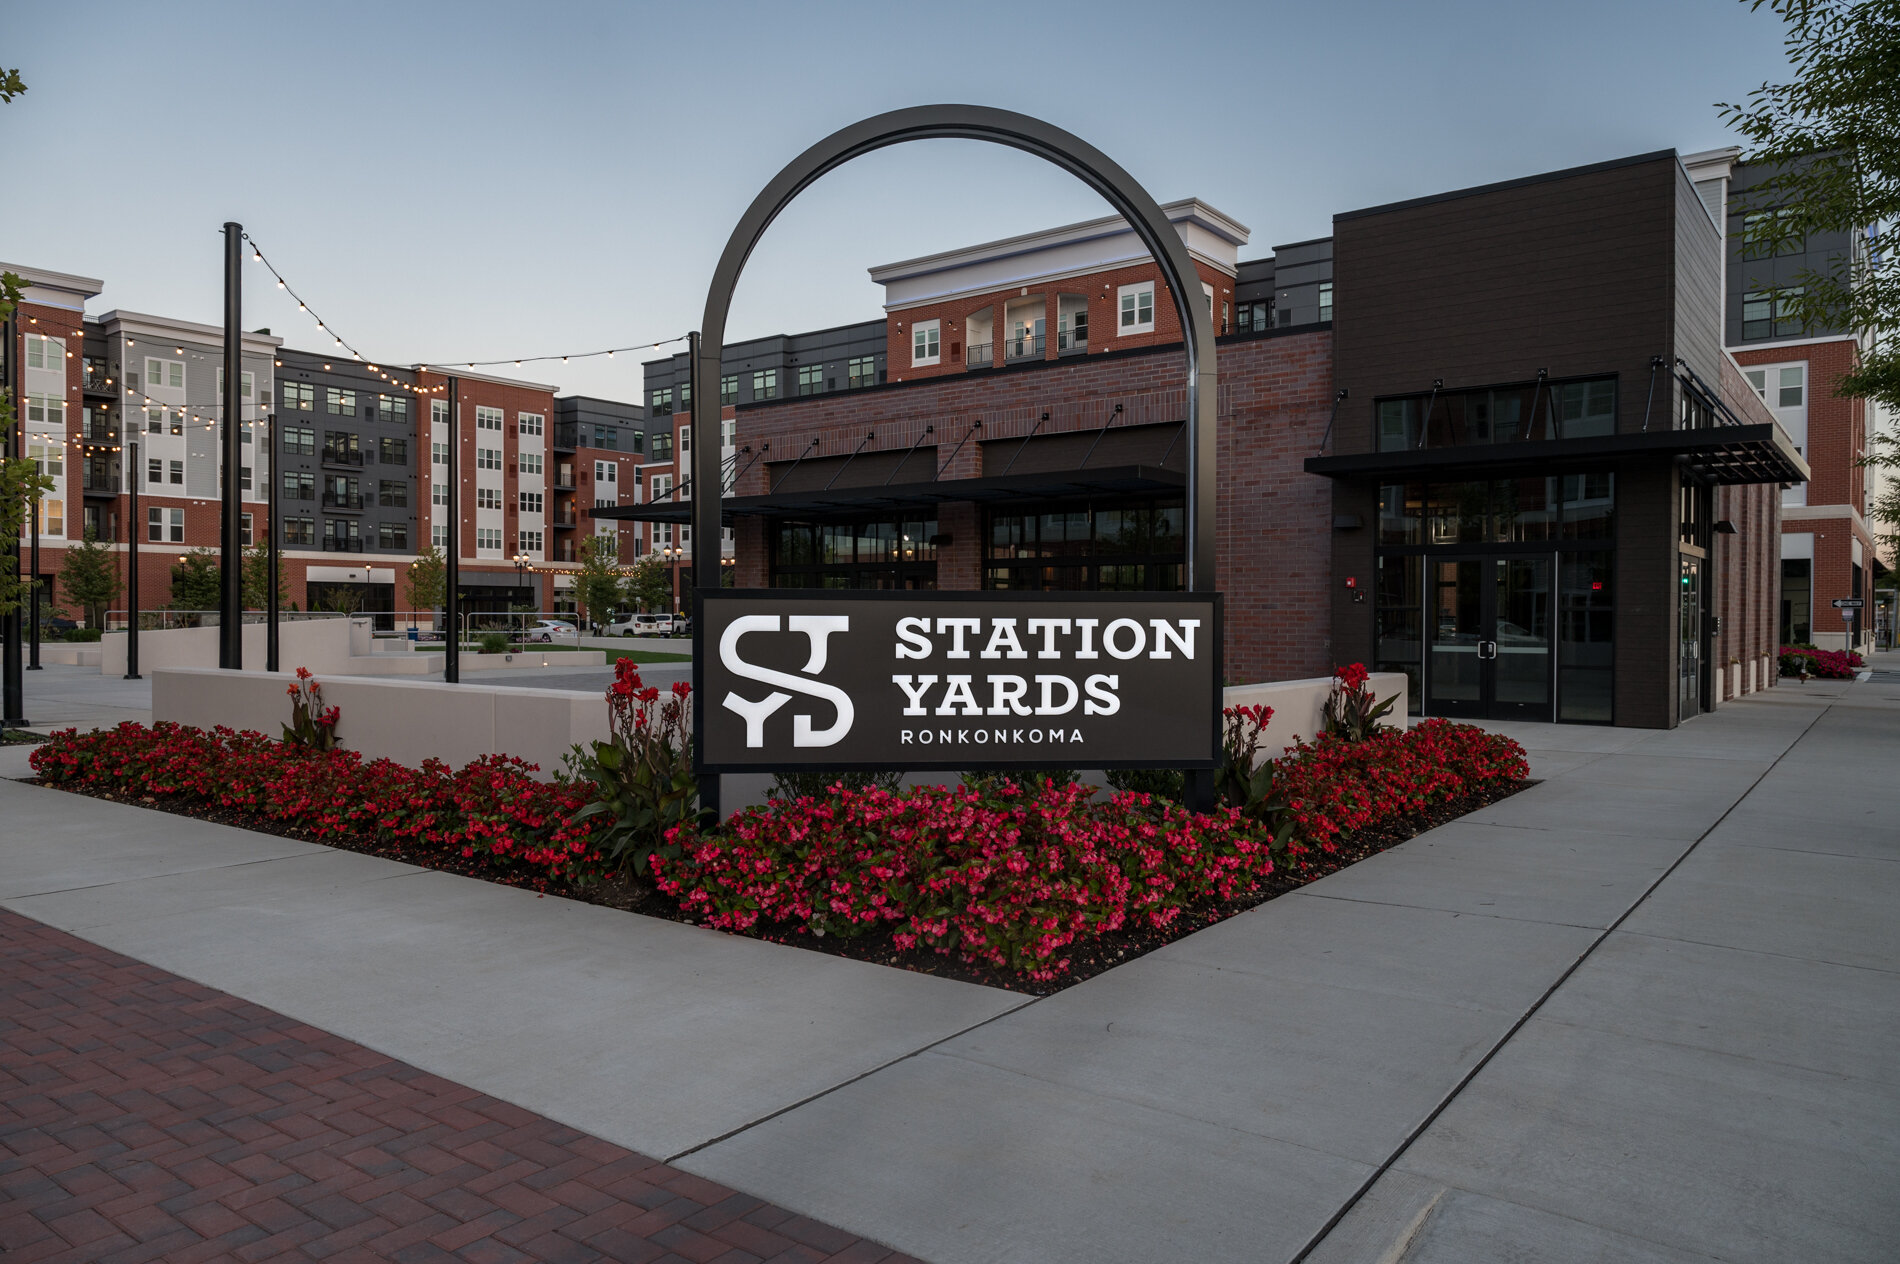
20,737
1087,959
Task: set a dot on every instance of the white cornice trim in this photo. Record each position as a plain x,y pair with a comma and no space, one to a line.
1046,278
144,325
1808,513
1186,210
449,370
83,287
1740,347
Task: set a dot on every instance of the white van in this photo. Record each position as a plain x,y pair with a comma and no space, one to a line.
642,625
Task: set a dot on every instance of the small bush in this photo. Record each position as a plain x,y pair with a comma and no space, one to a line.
494,642
83,634
1159,783
791,786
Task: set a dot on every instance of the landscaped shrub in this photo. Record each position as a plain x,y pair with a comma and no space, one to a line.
1352,710
641,778
493,809
311,724
493,642
1804,659
816,785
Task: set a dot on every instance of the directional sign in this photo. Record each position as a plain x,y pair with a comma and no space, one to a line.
1848,603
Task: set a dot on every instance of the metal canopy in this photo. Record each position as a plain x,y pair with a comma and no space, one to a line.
1115,480
1719,455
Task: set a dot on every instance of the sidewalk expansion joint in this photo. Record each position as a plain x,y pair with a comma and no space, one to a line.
1464,1081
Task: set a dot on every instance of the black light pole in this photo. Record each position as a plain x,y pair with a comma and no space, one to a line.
12,681
33,627
451,606
231,551
270,545
132,560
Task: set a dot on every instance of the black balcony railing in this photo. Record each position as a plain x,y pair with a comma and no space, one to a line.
562,476
95,378
563,520
342,544
1072,343
342,456
343,500
977,356
1024,347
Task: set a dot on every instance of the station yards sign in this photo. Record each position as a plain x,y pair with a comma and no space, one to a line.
917,680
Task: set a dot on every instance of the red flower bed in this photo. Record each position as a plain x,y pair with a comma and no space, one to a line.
492,808
1827,664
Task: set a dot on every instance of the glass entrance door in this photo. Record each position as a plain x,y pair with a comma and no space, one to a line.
1490,627
1689,633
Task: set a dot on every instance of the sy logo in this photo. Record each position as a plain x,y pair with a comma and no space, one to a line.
816,628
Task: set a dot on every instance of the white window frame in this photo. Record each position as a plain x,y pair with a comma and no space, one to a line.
487,418
529,423
1124,309
161,380
1792,417
609,471
36,353
926,343
530,462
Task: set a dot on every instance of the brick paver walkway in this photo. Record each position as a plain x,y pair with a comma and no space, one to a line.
144,1117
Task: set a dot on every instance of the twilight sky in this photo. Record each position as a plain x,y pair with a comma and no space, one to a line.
475,180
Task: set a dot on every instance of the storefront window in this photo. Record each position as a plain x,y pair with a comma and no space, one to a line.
1797,592
1400,612
1586,638
1119,546
870,553
1498,414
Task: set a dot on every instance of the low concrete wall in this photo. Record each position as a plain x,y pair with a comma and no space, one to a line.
1297,705
73,654
322,645
531,658
404,720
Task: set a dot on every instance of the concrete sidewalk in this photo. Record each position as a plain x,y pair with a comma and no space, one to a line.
1645,1010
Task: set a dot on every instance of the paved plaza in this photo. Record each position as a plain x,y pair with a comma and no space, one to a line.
1645,1010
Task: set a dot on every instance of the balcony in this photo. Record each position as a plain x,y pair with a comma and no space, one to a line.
978,356
342,544
94,379
562,438
100,431
99,477
1024,347
343,456
561,477
564,553
343,500
1076,343
567,519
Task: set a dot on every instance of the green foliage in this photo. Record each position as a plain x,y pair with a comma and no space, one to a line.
649,584
89,578
1161,783
493,642
10,84
257,578
427,583
1352,710
1245,781
1834,134
643,775
989,783
85,634
791,786
197,581
597,586
312,725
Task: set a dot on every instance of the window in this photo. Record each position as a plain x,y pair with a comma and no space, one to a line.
531,463
49,410
860,371
299,485
608,471
487,418
394,451
165,525
438,493
529,423
765,384
341,533
662,402
530,502
811,379
154,470
161,374
439,536
663,447
299,397
178,472
244,530
438,412
728,433
1503,414
438,454
1797,593
1253,317
1325,300
729,390
393,493
244,478
392,408
245,382
488,538
1766,234
45,353
338,400
487,458
1771,313
686,442
530,541
1137,308
300,530
392,535
686,397
924,342
488,498
50,457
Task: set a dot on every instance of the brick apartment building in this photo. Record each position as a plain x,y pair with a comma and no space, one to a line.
1463,471
127,401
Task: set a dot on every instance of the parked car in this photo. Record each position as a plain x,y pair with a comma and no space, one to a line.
682,625
551,630
641,625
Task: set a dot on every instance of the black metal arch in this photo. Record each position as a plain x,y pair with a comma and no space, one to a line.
1018,131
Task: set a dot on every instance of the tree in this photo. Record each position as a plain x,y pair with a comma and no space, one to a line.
10,85
89,578
257,578
1833,134
197,581
427,583
597,587
21,483
649,584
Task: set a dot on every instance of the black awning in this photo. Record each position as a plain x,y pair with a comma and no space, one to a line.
1118,480
1717,454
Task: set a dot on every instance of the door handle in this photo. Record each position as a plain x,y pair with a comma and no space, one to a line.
1487,649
